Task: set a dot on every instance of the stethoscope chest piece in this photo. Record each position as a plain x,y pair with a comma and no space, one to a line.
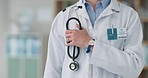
74,66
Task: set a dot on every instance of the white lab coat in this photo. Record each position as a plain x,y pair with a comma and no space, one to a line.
121,58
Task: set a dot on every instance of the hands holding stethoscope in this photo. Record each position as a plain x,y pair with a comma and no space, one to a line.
78,38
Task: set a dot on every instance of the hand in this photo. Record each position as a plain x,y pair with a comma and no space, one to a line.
78,38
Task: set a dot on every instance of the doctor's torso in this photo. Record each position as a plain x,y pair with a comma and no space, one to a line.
115,16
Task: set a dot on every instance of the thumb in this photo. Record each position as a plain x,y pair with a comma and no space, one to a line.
78,26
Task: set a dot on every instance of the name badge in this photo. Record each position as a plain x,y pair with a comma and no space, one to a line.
116,33
112,33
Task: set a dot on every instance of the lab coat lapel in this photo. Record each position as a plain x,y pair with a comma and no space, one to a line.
114,6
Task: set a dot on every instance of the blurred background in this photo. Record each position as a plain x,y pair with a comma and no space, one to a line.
24,30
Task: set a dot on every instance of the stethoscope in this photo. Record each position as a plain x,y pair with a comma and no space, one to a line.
74,65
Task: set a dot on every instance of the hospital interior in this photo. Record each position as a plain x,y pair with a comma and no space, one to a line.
24,31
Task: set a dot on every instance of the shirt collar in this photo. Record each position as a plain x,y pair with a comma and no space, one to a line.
114,6
105,3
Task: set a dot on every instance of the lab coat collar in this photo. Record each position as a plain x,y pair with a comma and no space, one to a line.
113,6
82,12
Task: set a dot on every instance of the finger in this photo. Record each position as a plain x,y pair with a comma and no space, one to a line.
68,40
68,31
68,35
73,32
78,26
69,44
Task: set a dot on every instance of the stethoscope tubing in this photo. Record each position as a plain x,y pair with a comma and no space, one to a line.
68,48
73,18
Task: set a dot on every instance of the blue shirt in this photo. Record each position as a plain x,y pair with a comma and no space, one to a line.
94,14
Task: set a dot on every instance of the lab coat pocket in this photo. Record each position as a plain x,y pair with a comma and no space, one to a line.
116,36
121,38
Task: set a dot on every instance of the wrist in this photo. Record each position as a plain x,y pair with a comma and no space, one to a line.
86,43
